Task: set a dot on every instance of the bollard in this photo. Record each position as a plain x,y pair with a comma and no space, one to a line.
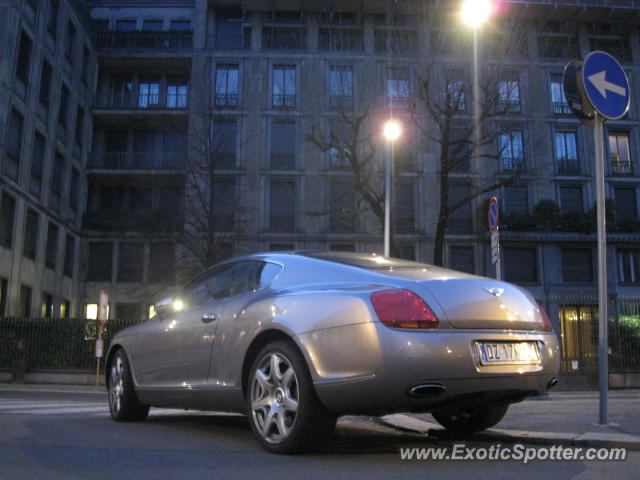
19,365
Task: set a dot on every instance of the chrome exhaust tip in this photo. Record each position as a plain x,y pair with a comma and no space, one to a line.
426,390
552,383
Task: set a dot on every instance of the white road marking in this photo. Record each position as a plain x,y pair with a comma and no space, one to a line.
59,411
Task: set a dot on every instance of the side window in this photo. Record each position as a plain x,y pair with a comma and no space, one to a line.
268,273
234,279
195,293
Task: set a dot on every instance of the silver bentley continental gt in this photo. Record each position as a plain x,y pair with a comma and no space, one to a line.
294,340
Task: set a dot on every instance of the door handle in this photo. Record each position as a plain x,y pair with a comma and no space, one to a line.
209,317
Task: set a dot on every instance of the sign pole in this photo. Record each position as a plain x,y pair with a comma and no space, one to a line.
603,353
498,269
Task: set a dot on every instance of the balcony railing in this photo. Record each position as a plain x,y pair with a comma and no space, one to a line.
621,168
137,160
508,106
143,101
284,101
569,167
560,108
398,101
125,220
145,40
341,102
227,100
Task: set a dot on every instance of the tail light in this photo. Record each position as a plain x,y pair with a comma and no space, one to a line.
546,323
399,308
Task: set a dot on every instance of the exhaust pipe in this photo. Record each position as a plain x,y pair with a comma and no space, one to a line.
426,390
552,383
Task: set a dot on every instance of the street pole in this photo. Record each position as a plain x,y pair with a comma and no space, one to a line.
387,200
498,269
603,353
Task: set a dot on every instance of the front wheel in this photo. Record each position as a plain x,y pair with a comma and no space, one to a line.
124,405
469,420
284,410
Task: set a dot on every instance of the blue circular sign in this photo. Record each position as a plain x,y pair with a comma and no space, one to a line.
606,85
493,214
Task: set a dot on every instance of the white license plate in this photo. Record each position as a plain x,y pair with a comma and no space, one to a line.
514,353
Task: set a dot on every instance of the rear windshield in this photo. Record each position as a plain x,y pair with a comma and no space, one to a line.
365,260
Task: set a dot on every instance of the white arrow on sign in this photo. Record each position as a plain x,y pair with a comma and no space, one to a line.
602,85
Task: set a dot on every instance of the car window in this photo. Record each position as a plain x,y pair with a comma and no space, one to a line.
234,279
268,274
195,293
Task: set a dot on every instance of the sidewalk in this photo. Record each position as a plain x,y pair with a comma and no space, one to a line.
558,417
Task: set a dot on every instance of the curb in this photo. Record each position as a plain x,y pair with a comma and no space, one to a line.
588,439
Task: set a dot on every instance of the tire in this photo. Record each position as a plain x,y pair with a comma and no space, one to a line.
469,420
124,405
283,409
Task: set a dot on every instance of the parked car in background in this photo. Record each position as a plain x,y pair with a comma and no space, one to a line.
294,340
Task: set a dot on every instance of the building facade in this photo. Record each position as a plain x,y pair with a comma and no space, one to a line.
144,141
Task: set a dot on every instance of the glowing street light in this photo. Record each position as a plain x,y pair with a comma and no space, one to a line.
475,12
392,131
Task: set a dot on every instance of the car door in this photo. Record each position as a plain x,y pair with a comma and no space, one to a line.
176,351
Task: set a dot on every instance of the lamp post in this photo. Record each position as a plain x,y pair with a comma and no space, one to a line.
392,131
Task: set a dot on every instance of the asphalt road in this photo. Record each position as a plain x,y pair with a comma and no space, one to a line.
48,435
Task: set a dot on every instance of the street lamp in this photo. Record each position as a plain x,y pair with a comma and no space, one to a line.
475,12
392,131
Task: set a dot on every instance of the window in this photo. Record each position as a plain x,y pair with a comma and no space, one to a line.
170,199
70,42
283,145
130,262
509,93
31,227
227,85
571,199
57,180
161,262
558,39
460,147
46,309
340,87
52,19
577,265
4,284
342,216
148,92
454,94
626,203
461,259
521,264
180,25
511,150
398,87
281,247
628,266
69,256
65,309
567,153
225,199
44,94
51,253
79,125
341,136
341,33
23,62
516,199
7,220
24,301
13,144
619,154
37,164
100,262
84,70
559,105
460,219
231,34
282,206
128,311
64,106
125,25
342,247
407,252
241,277
152,25
74,189
404,207
284,86
177,92
225,138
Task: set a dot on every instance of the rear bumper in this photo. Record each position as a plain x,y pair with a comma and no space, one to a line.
369,368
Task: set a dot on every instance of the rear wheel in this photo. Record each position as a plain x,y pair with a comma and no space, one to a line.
284,410
473,419
123,401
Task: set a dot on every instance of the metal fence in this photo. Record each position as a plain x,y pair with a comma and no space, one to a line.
53,343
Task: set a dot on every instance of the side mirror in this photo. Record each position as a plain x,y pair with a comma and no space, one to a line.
164,307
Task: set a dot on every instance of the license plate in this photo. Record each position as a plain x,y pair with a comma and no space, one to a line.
509,353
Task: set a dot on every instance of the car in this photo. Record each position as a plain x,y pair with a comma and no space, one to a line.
294,340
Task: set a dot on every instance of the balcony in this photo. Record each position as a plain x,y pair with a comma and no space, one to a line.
142,221
560,108
569,167
284,101
137,161
227,100
341,102
140,101
509,106
145,40
621,169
